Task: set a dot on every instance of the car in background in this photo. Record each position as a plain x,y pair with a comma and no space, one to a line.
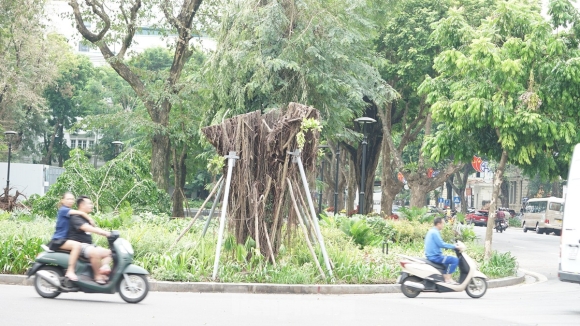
479,217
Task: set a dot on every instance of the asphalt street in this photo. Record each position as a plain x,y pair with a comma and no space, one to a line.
546,303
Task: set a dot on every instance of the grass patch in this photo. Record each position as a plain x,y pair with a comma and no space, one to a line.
355,260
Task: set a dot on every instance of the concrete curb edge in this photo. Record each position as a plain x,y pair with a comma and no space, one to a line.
264,288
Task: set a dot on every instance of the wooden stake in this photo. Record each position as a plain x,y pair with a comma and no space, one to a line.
269,244
196,215
304,230
280,200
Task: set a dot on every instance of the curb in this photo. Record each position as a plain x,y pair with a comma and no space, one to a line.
265,288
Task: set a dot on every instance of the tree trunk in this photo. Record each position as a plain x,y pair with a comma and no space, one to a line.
390,185
497,181
460,188
351,195
418,195
160,160
449,187
505,195
48,157
179,171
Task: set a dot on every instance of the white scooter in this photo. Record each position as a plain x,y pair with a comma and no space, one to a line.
421,275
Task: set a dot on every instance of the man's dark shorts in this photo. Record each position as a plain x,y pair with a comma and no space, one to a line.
55,245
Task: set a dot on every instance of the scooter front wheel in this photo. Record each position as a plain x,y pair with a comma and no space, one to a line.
44,288
476,288
408,291
136,291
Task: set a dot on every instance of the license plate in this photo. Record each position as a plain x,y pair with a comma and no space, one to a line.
573,253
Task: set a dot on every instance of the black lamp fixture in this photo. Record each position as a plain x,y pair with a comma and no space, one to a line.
118,145
361,198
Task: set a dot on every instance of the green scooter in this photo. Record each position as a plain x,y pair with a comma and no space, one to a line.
128,279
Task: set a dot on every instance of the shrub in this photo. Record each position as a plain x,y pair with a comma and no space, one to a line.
124,179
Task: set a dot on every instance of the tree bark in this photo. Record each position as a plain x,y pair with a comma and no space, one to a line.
459,185
47,160
180,172
351,192
497,181
390,185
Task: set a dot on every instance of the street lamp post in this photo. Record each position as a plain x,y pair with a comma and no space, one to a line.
361,198
322,147
9,135
336,179
118,145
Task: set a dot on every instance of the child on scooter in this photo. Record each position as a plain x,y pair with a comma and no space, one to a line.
59,240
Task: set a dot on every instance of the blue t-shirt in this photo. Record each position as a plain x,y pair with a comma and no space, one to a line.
62,223
434,243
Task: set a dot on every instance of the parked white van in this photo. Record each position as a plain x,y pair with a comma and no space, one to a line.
569,269
543,215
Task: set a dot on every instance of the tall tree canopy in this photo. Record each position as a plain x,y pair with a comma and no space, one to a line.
507,89
117,21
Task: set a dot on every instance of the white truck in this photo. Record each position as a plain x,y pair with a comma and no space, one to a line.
569,269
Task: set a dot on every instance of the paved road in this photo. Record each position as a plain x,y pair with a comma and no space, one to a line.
547,303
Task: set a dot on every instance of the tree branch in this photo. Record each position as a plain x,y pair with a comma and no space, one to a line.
97,10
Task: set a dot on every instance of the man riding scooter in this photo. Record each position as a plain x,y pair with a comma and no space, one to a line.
433,245
79,231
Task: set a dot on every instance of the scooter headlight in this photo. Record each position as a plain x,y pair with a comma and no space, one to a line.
124,246
127,247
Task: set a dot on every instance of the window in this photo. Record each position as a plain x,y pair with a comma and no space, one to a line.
512,192
536,207
91,143
82,144
555,207
83,47
73,143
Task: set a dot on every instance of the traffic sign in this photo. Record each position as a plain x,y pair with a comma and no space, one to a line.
456,199
441,200
447,202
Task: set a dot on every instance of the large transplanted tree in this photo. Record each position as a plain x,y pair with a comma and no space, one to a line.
512,80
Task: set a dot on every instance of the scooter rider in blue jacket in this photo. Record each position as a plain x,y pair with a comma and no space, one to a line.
433,245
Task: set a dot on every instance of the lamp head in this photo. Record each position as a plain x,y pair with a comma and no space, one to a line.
10,134
365,120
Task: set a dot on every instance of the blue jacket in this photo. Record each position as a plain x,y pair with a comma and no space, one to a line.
434,243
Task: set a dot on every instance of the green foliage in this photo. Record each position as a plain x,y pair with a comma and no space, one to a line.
310,51
360,232
307,125
123,182
514,222
192,258
419,214
506,87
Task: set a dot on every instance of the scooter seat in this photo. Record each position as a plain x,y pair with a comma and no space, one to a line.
438,266
81,258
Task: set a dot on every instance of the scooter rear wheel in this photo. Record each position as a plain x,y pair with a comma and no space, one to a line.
476,288
135,293
45,289
408,291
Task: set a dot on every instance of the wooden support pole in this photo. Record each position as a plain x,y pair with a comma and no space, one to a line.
196,215
303,227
